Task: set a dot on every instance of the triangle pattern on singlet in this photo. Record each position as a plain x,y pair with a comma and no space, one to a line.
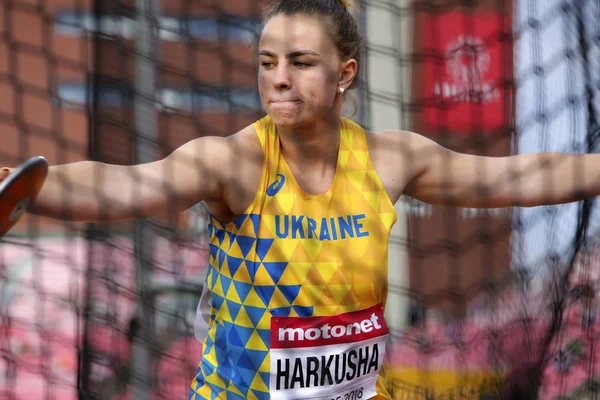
291,255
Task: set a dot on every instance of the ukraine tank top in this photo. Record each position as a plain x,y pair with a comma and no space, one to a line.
293,301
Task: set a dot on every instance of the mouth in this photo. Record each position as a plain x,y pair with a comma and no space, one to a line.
284,105
285,101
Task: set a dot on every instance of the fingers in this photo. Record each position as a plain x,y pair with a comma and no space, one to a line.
4,172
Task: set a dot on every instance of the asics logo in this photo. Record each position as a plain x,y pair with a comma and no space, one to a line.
276,186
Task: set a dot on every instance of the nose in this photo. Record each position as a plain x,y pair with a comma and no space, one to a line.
282,79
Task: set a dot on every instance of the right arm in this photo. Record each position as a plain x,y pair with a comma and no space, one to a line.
97,192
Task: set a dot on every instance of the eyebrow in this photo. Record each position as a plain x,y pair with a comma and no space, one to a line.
293,54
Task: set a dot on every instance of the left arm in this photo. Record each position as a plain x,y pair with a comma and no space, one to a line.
443,177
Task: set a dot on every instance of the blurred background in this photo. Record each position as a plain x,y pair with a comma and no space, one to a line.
497,303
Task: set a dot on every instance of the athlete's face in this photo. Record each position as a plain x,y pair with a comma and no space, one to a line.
299,69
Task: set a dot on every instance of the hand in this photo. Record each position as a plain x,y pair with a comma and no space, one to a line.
4,172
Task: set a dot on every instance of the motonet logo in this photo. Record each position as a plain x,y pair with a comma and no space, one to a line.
327,331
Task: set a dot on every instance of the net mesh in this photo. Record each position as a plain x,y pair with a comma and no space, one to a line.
492,304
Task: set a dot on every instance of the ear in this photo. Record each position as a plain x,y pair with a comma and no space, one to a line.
348,71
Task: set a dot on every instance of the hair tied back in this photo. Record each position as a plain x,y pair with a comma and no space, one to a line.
345,3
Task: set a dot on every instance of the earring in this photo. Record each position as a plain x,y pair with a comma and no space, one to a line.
342,90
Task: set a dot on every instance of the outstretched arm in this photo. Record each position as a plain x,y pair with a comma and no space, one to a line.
93,192
443,177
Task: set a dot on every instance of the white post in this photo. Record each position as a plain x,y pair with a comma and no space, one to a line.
388,41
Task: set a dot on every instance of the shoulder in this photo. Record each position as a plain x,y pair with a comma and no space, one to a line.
222,149
247,139
386,145
234,154
397,143
221,159
398,139
397,157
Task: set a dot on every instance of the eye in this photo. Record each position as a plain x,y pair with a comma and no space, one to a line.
267,65
301,64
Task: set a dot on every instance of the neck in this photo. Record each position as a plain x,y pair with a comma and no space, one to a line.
316,143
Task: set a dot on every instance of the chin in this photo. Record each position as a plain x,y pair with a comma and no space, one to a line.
287,120
290,119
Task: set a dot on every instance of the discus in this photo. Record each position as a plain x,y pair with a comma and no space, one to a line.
19,190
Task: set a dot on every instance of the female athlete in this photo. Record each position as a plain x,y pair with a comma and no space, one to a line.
301,206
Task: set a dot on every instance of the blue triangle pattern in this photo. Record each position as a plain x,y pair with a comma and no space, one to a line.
214,274
207,350
234,353
245,243
215,391
239,383
233,263
235,396
199,378
234,338
265,292
207,367
275,270
257,357
239,221
232,238
192,394
220,234
225,283
213,250
222,255
246,362
209,274
255,218
244,379
221,356
281,311
252,266
260,395
217,301
255,313
244,333
290,292
265,335
220,338
243,289
198,374
225,369
262,247
266,377
303,311
208,345
234,309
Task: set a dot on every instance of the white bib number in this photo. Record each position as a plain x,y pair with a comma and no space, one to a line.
327,358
